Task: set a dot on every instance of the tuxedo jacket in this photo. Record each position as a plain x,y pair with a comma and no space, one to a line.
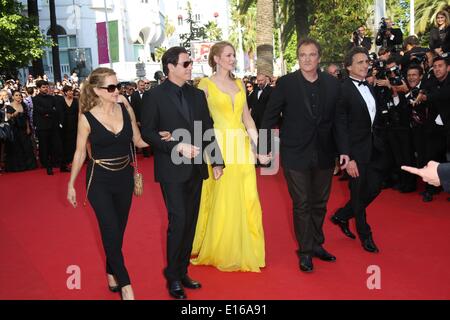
300,132
258,106
136,104
358,137
161,111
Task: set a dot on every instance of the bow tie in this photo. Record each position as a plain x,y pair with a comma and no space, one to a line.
361,83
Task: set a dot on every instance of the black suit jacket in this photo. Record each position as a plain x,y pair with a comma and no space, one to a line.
45,112
444,175
258,106
162,112
300,133
360,139
398,39
136,104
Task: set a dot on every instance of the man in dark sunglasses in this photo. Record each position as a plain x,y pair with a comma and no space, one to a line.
170,106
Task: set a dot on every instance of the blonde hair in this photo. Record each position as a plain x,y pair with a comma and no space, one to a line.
88,97
215,51
445,14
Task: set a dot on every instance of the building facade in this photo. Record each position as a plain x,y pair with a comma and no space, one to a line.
135,28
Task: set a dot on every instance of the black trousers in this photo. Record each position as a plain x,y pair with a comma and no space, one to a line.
182,202
309,190
400,139
50,148
110,196
363,190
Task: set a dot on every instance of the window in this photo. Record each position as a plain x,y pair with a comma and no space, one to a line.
180,20
197,17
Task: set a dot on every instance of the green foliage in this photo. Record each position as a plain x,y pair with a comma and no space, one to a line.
426,13
333,23
248,24
290,52
20,40
159,53
212,31
169,28
209,31
398,11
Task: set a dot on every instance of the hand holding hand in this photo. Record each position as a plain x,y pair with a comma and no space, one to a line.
218,172
352,169
188,150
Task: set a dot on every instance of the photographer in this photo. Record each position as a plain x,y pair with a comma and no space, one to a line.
398,126
414,54
438,94
388,37
422,124
359,39
393,121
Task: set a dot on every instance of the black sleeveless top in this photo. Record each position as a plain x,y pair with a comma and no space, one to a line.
104,143
107,145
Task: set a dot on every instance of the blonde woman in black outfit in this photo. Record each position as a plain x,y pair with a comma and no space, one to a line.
111,129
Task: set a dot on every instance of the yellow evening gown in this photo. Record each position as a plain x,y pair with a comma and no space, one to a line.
229,233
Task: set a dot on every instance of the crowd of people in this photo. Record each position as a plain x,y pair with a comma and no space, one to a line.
368,117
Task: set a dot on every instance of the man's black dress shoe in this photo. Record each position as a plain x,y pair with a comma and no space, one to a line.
189,283
306,264
343,225
176,290
324,255
369,245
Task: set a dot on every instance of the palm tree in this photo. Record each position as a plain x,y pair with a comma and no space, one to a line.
248,24
264,36
426,12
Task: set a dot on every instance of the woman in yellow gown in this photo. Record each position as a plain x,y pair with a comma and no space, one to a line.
229,233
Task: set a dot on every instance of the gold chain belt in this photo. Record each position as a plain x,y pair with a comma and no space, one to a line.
112,164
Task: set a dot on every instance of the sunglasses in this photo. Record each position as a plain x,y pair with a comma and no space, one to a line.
186,63
111,88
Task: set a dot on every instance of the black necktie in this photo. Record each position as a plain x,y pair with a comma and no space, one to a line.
184,105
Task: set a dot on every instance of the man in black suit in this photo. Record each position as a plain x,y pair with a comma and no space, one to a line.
136,104
307,99
47,119
259,98
181,109
358,112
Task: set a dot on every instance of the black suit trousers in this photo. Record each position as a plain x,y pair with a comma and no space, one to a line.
309,190
182,202
363,190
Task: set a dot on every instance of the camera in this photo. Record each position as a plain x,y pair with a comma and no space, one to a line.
395,76
383,25
418,57
380,67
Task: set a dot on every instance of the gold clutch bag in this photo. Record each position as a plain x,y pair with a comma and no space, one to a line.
138,179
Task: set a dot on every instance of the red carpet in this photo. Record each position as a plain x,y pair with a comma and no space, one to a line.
41,236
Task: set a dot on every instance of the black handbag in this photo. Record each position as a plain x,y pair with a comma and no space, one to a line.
6,132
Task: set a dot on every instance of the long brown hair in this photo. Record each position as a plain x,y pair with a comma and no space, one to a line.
88,98
215,51
446,15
